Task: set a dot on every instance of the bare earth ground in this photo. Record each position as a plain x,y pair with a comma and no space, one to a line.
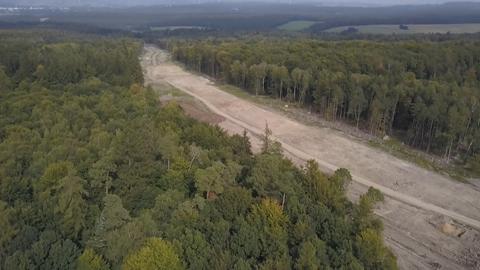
431,222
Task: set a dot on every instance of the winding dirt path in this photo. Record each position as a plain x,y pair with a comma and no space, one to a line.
431,199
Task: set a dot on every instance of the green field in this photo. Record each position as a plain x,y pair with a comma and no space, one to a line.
163,28
412,28
296,25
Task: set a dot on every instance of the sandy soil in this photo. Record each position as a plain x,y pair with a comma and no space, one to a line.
431,222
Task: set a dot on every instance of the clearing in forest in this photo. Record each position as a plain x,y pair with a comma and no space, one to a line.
386,29
296,25
420,203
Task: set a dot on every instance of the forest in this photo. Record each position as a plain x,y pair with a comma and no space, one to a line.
423,92
96,174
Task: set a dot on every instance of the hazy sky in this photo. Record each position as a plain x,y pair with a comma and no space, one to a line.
395,2
383,2
151,2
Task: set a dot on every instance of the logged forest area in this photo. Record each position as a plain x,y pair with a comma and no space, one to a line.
425,222
192,134
422,92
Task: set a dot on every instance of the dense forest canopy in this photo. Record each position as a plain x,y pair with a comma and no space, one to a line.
94,174
425,92
69,62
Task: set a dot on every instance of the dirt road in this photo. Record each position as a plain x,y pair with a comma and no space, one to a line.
431,222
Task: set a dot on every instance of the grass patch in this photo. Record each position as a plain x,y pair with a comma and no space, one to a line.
165,89
385,29
398,149
294,26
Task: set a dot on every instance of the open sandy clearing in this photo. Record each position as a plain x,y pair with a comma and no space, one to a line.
421,202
